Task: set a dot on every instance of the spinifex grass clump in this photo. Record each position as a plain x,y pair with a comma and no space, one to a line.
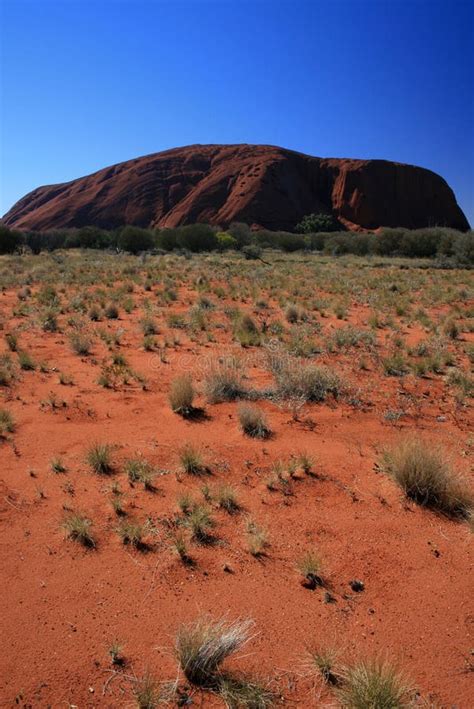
305,381
223,383
426,477
132,532
7,424
257,538
81,343
99,457
181,395
373,684
191,460
78,527
324,661
309,567
253,421
200,522
246,331
201,647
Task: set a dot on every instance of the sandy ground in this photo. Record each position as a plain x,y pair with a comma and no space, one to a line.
63,605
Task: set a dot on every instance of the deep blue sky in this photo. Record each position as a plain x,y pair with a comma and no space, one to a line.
87,83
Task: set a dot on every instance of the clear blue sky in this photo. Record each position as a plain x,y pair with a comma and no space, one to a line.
87,83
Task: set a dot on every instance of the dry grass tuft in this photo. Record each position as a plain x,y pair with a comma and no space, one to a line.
253,421
374,684
181,395
426,477
202,646
78,527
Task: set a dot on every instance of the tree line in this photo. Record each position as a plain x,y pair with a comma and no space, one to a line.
449,246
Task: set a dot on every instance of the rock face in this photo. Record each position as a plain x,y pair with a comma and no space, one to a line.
261,185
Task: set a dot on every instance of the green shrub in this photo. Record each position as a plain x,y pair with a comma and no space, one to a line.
10,240
134,239
312,223
197,237
225,241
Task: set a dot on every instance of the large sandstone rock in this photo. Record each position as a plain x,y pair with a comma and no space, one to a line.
258,184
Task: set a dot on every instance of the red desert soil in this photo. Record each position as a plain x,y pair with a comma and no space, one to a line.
261,185
63,605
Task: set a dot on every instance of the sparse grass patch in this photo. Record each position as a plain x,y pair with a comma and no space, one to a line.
111,311
244,692
7,370
147,692
26,361
226,498
325,662
246,331
179,545
116,654
11,339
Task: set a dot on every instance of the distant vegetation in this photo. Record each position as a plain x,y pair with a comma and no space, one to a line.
315,233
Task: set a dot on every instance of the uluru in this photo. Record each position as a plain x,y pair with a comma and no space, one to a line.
261,185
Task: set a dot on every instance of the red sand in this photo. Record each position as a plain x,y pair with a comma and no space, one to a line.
63,605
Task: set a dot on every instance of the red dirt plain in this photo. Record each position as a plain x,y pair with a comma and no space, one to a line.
63,604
